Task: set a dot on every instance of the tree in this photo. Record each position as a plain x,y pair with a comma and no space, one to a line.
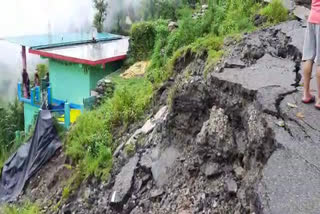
99,18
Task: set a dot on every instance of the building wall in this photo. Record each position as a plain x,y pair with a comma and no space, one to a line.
69,81
74,82
97,72
30,113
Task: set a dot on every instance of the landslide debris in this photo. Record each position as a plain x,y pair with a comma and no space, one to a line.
213,144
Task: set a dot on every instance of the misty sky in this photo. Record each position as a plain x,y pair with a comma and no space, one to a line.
28,17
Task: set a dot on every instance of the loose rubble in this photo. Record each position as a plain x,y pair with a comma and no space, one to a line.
218,147
105,88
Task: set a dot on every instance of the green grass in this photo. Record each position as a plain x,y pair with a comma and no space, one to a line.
130,149
26,208
90,140
275,12
11,120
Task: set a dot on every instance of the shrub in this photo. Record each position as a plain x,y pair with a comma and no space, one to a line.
275,12
11,120
142,40
26,208
90,142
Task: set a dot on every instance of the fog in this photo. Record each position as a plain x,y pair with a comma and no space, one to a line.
21,17
31,17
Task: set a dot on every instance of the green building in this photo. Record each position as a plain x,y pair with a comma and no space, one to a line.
76,63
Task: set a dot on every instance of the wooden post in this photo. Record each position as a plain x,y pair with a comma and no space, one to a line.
24,57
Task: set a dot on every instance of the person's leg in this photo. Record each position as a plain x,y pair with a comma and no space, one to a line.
309,55
318,86
307,70
317,60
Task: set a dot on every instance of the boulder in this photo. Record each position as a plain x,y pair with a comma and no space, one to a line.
301,12
231,186
123,181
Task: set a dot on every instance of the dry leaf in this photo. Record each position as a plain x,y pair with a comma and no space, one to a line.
300,115
292,105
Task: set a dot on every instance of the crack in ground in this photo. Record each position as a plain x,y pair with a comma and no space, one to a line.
306,161
302,128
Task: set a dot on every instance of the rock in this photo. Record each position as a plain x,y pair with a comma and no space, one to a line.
172,26
146,178
215,204
231,186
146,161
156,193
234,63
105,88
217,125
162,163
211,169
301,12
239,171
87,194
259,20
148,127
205,7
137,210
162,114
123,181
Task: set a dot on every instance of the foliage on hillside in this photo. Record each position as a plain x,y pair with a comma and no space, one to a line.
26,208
90,141
223,18
11,120
275,12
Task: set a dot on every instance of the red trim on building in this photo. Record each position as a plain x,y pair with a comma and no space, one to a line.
76,60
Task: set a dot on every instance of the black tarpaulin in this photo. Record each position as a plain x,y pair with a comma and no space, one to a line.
29,158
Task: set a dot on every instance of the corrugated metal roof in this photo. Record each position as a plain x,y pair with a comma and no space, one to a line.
48,41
